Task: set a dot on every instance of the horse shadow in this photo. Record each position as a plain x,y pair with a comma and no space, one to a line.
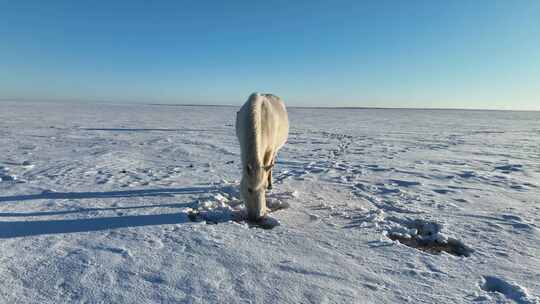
22,228
32,228
170,192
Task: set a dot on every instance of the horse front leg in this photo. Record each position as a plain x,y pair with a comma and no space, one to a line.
272,163
270,179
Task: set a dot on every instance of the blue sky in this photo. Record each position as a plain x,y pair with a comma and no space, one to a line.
465,54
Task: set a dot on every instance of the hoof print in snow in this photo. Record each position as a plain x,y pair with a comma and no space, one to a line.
509,168
275,205
266,222
6,177
427,237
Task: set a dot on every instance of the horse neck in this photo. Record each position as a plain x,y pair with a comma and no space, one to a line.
254,122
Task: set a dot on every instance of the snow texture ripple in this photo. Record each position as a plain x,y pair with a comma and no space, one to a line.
140,204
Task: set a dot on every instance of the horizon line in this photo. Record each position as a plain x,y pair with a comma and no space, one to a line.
104,101
345,107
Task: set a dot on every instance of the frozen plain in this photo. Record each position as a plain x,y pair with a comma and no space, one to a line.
139,204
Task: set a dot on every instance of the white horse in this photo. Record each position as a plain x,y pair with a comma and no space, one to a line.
262,127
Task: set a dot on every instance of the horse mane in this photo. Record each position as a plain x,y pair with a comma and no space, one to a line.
254,132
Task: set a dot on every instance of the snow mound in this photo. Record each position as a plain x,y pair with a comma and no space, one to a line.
226,206
510,290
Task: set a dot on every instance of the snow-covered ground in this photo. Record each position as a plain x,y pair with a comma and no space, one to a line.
139,204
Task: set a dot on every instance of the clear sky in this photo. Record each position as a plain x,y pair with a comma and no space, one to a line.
465,54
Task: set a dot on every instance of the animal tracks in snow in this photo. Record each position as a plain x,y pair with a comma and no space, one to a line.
392,199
